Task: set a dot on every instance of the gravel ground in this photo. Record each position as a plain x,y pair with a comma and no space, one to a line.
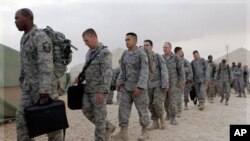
212,124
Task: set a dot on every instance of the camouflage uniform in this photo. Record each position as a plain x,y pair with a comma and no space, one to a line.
112,89
246,76
239,80
98,78
188,78
176,78
200,75
36,77
211,88
134,73
233,81
158,79
224,76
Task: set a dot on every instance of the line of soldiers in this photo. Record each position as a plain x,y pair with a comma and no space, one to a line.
153,82
170,77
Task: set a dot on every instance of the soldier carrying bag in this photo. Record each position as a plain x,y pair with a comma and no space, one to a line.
193,95
75,93
46,118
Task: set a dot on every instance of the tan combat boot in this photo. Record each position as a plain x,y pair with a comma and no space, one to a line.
109,132
222,98
186,106
202,106
239,95
173,120
154,125
211,100
162,121
167,116
244,95
144,134
122,135
226,103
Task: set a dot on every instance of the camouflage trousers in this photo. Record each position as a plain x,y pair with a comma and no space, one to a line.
211,90
187,89
96,113
110,97
171,100
239,83
156,100
200,89
224,89
179,100
27,99
141,103
118,95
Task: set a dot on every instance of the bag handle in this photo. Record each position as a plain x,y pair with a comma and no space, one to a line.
49,101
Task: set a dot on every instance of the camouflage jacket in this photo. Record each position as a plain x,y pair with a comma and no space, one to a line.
158,74
223,73
99,73
36,73
212,70
200,70
188,69
175,70
134,70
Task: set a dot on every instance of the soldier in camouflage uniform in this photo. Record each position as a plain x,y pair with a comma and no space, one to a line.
112,88
98,77
239,80
188,78
37,79
157,86
246,76
200,77
176,82
223,77
212,71
133,81
233,83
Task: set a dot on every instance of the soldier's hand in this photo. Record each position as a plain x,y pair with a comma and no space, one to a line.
75,81
100,97
137,91
188,81
164,90
44,96
207,83
181,87
119,88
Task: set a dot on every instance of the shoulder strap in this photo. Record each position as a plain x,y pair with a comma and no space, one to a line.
81,76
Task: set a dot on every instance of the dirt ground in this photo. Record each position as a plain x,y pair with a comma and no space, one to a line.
212,124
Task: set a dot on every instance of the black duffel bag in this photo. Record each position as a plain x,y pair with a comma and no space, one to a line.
46,118
192,93
75,96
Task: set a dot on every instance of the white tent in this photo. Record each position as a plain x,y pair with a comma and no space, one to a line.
238,55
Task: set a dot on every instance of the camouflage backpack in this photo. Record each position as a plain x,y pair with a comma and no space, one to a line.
62,53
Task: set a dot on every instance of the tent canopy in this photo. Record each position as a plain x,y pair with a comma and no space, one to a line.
9,66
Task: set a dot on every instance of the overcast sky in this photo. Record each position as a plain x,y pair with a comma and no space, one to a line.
159,20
